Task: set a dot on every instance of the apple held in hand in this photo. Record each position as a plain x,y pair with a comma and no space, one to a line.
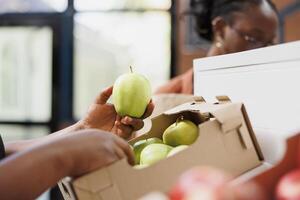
182,132
289,186
140,145
131,95
154,153
177,150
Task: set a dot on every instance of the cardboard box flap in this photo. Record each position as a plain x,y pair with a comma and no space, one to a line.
230,118
197,106
93,184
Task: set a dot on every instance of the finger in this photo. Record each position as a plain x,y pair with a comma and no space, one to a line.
124,131
118,118
149,110
126,149
104,95
137,124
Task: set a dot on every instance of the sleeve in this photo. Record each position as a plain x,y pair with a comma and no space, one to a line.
2,150
173,86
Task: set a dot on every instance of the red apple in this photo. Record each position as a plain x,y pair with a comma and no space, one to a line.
244,191
298,155
288,187
200,183
211,184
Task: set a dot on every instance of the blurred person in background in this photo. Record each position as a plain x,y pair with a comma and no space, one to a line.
231,26
31,167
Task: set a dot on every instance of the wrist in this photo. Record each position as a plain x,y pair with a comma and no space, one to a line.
14,147
62,160
80,125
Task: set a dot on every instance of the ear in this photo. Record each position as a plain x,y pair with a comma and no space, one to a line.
219,26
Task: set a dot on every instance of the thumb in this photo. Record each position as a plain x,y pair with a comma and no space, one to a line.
104,96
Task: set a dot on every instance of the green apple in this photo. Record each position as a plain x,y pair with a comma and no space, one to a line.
140,145
182,132
154,153
177,149
131,95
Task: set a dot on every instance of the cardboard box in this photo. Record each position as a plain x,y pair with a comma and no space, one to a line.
226,141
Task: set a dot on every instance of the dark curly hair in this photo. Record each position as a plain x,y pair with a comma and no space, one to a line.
204,11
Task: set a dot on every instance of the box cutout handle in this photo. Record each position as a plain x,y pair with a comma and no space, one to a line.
223,99
199,99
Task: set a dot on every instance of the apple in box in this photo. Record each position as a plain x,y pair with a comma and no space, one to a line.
154,153
182,132
140,145
131,95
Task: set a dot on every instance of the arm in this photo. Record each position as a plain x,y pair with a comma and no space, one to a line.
30,173
101,115
17,146
27,174
173,86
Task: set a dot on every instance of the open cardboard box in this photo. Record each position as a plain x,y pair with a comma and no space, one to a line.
226,141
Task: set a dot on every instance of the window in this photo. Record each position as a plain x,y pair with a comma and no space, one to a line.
122,4
23,6
109,41
25,73
55,57
18,132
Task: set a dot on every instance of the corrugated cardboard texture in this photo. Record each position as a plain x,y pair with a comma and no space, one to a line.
226,141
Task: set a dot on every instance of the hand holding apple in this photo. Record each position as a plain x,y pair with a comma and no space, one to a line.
102,115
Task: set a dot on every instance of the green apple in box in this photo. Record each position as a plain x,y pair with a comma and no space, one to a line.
131,94
182,132
140,145
154,153
177,149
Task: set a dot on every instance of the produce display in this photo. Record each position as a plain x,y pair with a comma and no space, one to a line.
176,138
